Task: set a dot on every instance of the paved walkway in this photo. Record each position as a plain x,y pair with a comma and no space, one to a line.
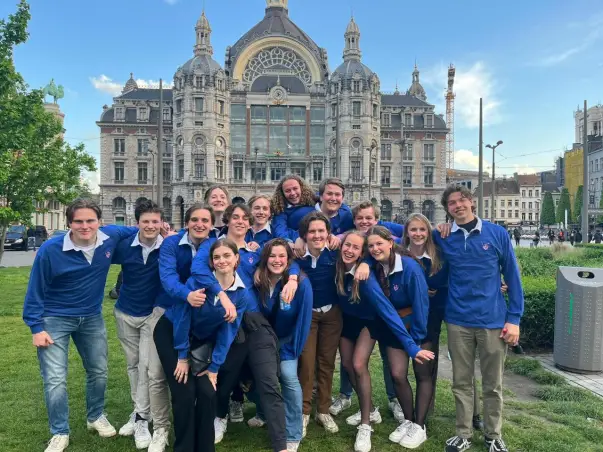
17,258
590,382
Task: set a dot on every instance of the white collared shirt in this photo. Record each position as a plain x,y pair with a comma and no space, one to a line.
185,240
328,307
265,228
87,251
397,266
146,249
238,284
478,227
317,206
352,271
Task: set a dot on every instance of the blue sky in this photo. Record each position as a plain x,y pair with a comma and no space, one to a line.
532,62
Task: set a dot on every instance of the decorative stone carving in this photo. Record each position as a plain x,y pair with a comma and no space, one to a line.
277,60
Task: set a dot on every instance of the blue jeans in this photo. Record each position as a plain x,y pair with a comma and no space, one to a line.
345,387
292,395
90,338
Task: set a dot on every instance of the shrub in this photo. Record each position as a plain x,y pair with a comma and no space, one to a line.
538,321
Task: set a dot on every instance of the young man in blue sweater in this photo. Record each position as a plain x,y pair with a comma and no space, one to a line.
331,192
477,314
63,301
134,315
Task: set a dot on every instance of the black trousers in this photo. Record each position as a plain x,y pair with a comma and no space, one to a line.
260,352
193,402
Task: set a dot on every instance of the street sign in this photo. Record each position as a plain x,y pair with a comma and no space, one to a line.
198,195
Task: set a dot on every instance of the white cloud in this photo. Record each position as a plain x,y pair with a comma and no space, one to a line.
106,85
466,159
93,180
470,84
523,169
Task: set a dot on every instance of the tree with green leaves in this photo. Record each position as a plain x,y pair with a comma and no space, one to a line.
600,217
35,162
564,204
578,204
547,214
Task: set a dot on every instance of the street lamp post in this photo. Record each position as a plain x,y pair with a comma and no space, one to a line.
255,176
493,190
370,191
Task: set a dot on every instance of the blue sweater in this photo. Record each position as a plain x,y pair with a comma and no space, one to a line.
395,228
286,224
174,270
260,238
322,277
343,221
64,284
373,303
207,324
292,326
476,262
141,284
438,282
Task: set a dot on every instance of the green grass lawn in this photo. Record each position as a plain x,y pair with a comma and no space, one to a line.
564,419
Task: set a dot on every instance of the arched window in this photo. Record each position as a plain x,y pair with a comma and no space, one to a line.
429,210
386,210
238,200
141,199
408,206
119,203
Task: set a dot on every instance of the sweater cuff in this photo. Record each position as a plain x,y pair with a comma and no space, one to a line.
37,328
182,354
213,368
514,319
415,349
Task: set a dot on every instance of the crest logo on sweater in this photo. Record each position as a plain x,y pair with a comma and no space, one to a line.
108,254
486,246
251,260
396,287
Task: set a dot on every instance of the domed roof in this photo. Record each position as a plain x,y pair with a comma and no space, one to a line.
352,27
203,22
131,84
203,64
349,68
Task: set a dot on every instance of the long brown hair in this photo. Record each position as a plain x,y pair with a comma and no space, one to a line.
430,246
385,234
279,202
263,275
340,269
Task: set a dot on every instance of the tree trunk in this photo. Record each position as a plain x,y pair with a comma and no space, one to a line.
3,229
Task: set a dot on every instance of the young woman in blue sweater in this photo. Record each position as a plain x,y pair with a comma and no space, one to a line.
184,327
402,280
293,199
365,309
291,324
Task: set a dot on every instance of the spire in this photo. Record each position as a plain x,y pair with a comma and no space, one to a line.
131,84
203,32
397,92
416,89
277,4
352,42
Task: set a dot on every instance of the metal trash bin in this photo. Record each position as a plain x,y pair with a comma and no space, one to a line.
578,343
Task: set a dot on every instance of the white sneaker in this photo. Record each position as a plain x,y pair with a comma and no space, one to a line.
341,403
142,436
235,412
327,422
102,426
363,438
397,435
256,422
160,440
128,428
58,443
305,422
396,410
415,436
356,418
220,426
292,446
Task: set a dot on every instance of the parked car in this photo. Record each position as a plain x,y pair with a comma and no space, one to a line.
58,233
17,236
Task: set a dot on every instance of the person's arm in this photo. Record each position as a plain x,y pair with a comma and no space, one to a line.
395,228
39,279
418,292
202,276
226,335
510,271
168,273
371,291
120,232
304,297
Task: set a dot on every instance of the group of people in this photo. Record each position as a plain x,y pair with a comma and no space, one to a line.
255,301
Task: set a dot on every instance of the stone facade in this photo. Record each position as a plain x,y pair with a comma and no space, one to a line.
273,109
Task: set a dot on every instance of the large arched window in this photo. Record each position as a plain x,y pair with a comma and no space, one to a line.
429,210
408,206
119,203
386,210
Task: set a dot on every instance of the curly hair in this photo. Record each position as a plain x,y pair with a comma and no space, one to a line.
279,202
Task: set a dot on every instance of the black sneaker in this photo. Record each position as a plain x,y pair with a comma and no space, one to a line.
518,350
478,424
497,445
457,444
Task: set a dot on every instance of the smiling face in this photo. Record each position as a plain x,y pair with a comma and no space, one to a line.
460,208
261,212
351,249
149,225
224,260
292,191
277,260
200,225
365,219
218,200
238,224
418,232
379,248
316,238
331,199
84,226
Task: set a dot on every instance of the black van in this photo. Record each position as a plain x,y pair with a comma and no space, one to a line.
17,236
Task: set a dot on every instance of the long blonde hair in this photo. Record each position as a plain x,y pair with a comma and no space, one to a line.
430,247
340,269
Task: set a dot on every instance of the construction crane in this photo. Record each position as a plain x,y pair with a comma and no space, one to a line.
450,119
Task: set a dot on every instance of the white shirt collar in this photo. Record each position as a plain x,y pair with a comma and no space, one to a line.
238,283
184,240
352,271
397,265
153,247
317,207
69,245
310,254
478,226
265,228
424,256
